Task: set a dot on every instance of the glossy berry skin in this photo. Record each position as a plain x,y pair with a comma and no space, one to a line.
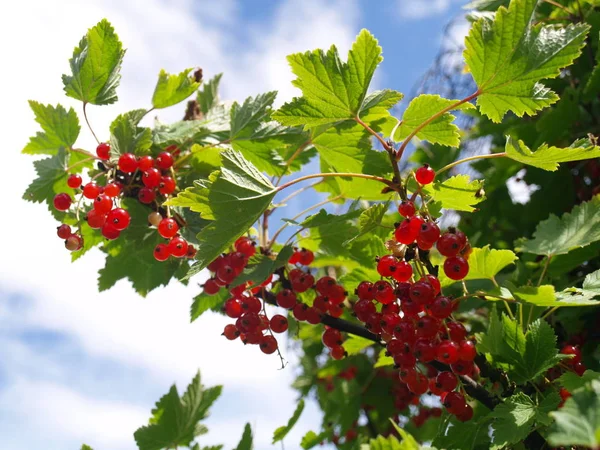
305,257
103,150
286,299
268,344
74,181
146,195
384,292
211,287
109,231
441,307
63,231
338,352
168,228
154,219
403,272
103,204
233,308
456,267
112,189
407,209
424,350
119,218
449,244
164,160
128,163
467,351
145,163
95,219
571,350
434,282
419,384
408,230
447,352
446,381
151,178
427,327
178,247
365,291
363,309
425,174
226,274
325,285
386,266
166,186
74,243
455,403
91,190
278,323
429,232
457,331
422,293
332,337
246,246
62,201
231,332
466,414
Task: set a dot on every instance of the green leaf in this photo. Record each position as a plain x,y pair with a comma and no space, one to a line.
370,219
571,381
514,419
52,178
384,360
235,199
508,56
347,148
382,443
86,447
578,421
332,90
486,263
557,236
95,66
439,131
91,239
592,87
408,442
127,137
175,419
375,110
540,352
204,302
282,432
588,295
61,129
208,95
356,344
457,435
261,267
312,439
458,193
352,279
173,89
548,158
130,256
250,114
246,441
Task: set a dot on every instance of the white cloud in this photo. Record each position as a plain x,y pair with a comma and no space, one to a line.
152,334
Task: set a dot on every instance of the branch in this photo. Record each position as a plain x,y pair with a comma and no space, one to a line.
335,174
471,158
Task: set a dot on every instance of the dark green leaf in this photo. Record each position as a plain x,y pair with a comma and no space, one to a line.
127,137
246,442
208,95
173,89
370,219
204,302
61,129
282,432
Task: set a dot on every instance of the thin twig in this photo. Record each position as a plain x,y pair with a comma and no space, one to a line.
470,158
544,270
291,159
334,174
299,191
88,122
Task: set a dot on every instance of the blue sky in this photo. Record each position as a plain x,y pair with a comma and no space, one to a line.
78,366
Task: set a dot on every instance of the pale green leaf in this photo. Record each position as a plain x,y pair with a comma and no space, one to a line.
507,57
486,263
384,360
61,129
370,219
95,66
557,236
172,89
332,90
546,157
355,344
282,431
127,137
458,193
312,439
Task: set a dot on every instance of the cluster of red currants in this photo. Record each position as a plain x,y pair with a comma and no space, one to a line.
176,245
574,363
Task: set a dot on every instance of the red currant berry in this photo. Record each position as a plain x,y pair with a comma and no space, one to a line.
419,384
427,327
338,352
299,311
313,316
336,310
74,243
109,231
467,351
103,204
363,309
231,332
332,337
463,368
406,209
386,266
145,163
128,163
119,218
211,287
572,350
302,283
278,323
306,257
425,174
63,231
286,299
146,195
151,178
422,293
405,331
466,414
268,344
253,305
429,232
447,352
384,292
246,246
178,247
579,368
103,150
62,202
446,381
166,186
441,307
164,160
74,181
456,267
91,190
112,189
457,331
434,282
325,285
564,394
226,274
455,403
233,308
403,271
408,230
168,228
449,244
424,350
365,291
95,219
